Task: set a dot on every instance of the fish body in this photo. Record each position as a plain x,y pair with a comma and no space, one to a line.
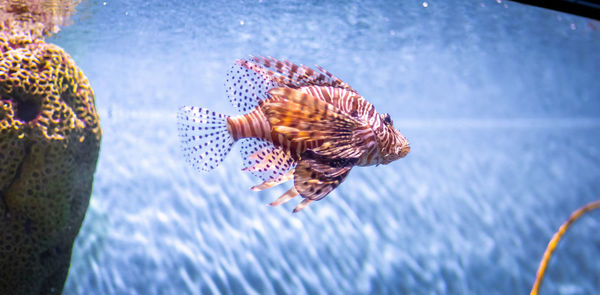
297,123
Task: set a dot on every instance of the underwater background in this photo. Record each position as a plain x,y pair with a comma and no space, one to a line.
500,101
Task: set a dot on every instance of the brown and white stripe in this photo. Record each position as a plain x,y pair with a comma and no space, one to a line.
255,124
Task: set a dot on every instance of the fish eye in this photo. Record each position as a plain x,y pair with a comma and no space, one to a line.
387,119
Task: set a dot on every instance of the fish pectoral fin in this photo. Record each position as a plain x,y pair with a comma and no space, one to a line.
349,145
290,194
314,179
288,132
339,149
301,117
301,110
296,113
302,205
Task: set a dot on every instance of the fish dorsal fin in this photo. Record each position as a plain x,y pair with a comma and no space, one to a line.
291,75
264,160
249,80
247,84
314,180
324,128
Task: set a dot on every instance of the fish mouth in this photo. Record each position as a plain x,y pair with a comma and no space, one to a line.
405,150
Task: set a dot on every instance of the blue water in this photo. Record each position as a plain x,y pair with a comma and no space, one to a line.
500,101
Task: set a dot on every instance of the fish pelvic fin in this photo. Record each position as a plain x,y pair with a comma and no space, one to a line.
204,136
273,182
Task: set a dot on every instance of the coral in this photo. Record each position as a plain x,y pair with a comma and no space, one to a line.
539,277
49,144
43,17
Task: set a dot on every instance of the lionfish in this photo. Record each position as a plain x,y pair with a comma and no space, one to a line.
297,123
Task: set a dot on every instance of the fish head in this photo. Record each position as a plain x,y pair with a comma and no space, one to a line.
392,145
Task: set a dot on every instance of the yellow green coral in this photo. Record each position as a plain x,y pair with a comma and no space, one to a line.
49,142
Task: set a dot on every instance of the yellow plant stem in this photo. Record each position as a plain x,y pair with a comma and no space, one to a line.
552,244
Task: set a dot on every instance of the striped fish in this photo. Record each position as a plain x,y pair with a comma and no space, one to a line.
296,123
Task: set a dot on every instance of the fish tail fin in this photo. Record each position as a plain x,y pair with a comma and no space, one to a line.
205,138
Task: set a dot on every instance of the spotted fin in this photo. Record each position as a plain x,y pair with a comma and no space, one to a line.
327,130
204,137
249,80
314,180
247,83
265,161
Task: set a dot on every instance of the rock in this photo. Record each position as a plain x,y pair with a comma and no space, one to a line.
49,144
